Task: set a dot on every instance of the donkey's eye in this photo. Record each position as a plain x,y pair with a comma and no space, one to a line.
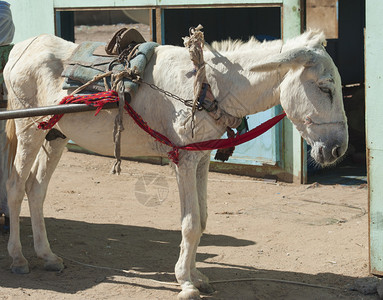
327,91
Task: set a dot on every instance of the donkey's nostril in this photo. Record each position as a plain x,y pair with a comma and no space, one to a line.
336,152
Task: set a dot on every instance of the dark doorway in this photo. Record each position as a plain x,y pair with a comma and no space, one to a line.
347,51
223,23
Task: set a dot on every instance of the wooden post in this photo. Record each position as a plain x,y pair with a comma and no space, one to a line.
159,26
374,125
294,156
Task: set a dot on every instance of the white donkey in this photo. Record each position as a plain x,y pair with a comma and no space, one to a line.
246,78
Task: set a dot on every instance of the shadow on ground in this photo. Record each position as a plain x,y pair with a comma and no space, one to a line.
149,251
343,174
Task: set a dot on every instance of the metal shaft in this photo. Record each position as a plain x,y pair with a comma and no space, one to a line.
50,110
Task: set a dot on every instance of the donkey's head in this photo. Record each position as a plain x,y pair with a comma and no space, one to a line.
311,95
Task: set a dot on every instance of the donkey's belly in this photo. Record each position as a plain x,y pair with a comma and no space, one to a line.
95,133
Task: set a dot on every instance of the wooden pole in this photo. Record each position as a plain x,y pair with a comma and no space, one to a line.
50,110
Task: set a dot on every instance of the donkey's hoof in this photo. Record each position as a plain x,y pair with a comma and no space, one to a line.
206,288
24,269
189,294
54,266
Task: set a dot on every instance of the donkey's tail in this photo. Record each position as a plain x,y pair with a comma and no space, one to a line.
11,144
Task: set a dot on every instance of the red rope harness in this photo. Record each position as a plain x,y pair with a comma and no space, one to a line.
100,99
97,100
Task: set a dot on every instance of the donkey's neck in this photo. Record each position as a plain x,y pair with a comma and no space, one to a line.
239,91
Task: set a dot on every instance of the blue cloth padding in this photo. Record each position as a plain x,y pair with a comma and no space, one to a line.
82,66
7,28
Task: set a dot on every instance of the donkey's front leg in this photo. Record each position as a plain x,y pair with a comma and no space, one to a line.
200,280
191,223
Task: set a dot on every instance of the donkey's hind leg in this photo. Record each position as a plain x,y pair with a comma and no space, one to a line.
36,188
29,142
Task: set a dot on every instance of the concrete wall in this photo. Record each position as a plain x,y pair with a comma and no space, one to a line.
374,125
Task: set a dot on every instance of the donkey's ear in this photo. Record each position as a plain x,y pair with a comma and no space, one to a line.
291,60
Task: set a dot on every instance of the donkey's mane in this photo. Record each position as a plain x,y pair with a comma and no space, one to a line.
235,45
311,38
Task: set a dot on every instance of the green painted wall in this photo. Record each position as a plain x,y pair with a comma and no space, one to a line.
32,17
295,158
374,128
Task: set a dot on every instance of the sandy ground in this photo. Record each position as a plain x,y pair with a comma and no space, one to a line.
117,234
104,33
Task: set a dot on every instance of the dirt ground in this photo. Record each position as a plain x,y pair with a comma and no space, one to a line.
119,236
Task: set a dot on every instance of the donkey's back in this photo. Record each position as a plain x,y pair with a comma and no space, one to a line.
33,76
